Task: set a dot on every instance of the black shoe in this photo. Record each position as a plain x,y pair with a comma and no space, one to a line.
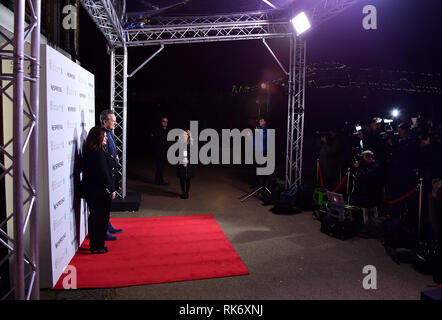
99,251
186,196
110,237
183,196
113,230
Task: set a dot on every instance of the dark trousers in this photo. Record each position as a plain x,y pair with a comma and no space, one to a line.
185,185
160,163
99,213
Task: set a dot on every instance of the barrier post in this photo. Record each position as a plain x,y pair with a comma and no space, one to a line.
420,209
317,172
348,181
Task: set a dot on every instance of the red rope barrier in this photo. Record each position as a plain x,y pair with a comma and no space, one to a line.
320,176
401,198
340,185
321,180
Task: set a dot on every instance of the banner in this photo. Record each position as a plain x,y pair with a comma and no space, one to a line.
67,112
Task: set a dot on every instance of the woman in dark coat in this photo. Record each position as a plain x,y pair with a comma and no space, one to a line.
185,170
98,186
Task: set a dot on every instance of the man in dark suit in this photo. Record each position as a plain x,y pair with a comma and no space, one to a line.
108,122
160,146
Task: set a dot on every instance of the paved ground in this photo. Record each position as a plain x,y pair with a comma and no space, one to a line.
287,256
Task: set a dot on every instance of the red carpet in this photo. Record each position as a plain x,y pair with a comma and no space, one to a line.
156,250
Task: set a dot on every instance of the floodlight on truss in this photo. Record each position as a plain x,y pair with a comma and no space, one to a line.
301,23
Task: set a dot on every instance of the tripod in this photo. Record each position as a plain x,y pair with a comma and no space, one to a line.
264,188
244,198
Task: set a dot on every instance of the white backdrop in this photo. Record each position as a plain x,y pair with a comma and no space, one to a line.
67,112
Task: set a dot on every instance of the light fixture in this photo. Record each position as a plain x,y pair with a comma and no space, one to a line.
301,23
395,113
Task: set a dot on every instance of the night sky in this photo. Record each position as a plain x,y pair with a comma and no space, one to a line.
194,81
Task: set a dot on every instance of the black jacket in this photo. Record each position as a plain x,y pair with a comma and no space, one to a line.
159,142
99,174
187,171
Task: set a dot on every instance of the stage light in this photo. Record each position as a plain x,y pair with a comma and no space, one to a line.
395,113
263,85
301,23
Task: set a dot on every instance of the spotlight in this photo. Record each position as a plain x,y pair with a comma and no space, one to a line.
263,85
301,23
395,113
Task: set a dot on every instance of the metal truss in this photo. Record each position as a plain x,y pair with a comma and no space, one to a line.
119,106
191,29
327,9
25,136
295,119
105,17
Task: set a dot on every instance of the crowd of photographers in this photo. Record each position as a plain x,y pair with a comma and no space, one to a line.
387,160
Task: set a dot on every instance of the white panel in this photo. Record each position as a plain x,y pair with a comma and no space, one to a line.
68,111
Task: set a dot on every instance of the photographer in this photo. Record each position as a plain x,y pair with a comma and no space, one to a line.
367,190
401,173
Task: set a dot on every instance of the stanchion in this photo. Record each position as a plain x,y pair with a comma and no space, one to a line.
317,171
420,209
348,181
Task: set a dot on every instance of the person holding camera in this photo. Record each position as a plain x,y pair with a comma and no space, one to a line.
368,186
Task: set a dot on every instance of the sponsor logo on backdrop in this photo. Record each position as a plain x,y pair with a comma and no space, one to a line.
71,124
59,203
55,107
82,95
55,68
57,165
81,79
72,109
58,222
57,184
57,146
70,91
91,96
70,158
91,85
70,75
60,241
71,142
59,261
56,127
91,111
56,88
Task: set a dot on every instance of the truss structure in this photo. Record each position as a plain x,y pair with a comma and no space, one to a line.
162,30
295,119
192,29
119,106
25,136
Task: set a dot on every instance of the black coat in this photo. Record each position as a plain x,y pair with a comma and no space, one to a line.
187,171
159,142
99,174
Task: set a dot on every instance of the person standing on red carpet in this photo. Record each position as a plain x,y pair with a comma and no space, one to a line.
98,186
185,170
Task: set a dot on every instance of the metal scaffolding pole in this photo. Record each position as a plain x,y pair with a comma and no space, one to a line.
33,163
119,106
25,133
19,22
295,119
